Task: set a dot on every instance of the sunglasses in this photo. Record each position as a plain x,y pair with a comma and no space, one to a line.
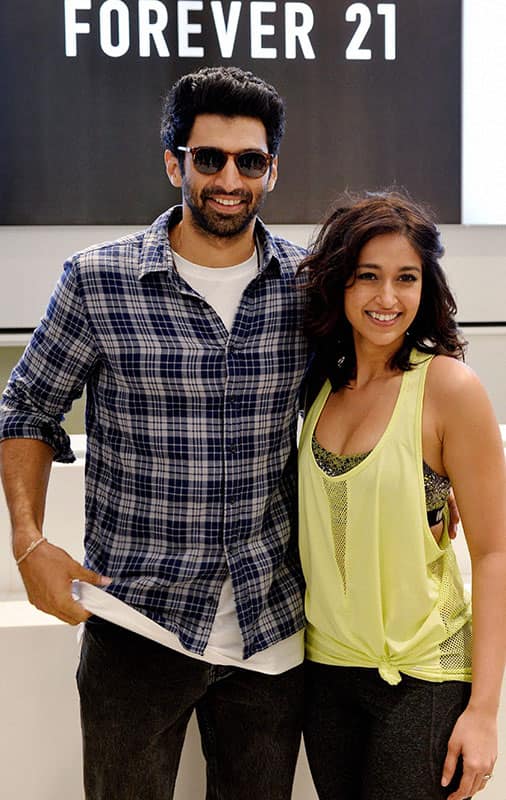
210,160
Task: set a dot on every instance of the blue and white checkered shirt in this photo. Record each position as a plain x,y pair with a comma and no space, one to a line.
191,455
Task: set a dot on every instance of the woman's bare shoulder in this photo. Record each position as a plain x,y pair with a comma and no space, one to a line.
448,374
455,388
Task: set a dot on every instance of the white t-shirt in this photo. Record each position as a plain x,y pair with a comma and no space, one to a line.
222,288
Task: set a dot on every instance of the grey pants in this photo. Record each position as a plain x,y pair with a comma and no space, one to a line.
367,740
137,698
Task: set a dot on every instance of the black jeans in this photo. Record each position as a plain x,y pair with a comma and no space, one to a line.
137,698
367,740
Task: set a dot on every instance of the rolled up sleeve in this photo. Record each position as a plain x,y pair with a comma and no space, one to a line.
52,371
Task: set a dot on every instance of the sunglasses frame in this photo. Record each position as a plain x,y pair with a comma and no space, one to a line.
194,151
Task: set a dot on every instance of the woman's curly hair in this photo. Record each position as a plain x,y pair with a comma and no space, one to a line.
330,268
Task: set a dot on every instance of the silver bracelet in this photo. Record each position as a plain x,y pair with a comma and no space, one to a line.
30,549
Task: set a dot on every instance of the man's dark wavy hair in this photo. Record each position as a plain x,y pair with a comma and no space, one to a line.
228,91
330,267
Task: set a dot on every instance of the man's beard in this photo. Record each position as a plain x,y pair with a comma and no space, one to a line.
211,221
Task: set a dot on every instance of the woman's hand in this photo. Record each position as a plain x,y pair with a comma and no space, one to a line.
474,737
454,516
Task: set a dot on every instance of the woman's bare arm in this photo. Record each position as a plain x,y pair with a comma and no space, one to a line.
473,458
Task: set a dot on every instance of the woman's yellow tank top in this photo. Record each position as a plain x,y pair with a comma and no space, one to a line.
380,592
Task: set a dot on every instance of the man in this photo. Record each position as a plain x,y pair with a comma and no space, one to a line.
188,339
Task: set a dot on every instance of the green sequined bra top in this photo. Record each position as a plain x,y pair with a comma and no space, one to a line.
437,487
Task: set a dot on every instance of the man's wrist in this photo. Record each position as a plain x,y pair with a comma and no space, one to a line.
20,553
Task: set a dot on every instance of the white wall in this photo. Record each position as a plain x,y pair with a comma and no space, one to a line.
475,260
32,258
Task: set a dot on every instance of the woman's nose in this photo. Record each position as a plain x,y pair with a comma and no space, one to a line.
386,294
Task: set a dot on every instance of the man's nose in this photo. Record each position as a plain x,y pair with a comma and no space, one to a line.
229,177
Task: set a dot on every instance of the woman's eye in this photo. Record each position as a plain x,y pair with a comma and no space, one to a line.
408,278
366,276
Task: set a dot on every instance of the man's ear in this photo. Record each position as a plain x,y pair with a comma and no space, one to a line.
273,176
172,169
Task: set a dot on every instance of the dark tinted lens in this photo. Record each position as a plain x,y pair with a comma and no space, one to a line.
252,164
209,160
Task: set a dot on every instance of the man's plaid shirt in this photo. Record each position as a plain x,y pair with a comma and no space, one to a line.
191,454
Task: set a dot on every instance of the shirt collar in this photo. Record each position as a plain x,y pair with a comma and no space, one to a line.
156,253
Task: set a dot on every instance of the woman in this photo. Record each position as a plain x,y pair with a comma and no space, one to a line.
391,711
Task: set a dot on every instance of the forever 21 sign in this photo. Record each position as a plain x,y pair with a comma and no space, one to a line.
372,91
152,22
